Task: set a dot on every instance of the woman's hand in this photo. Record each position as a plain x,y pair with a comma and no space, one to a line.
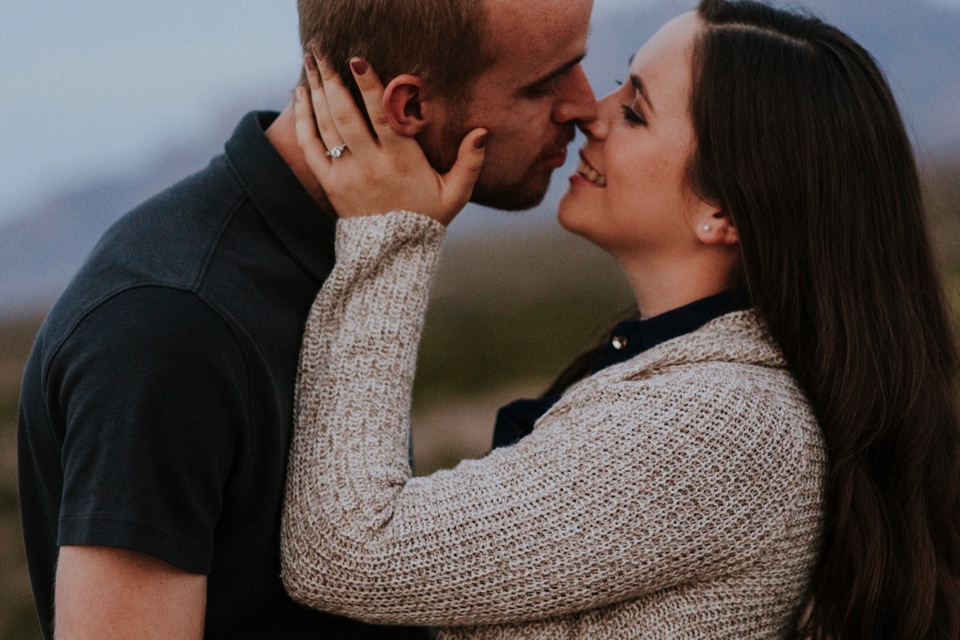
375,175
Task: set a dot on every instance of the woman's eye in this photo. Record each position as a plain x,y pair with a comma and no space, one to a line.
631,116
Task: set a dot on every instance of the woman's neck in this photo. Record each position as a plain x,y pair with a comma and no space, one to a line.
660,286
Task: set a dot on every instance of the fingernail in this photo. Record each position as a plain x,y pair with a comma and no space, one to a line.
481,142
359,66
298,94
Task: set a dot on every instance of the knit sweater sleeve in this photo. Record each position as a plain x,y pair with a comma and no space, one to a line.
623,489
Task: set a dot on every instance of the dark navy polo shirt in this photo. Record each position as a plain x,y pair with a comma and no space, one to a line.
627,340
156,410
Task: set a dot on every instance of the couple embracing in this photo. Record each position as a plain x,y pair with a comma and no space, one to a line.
770,450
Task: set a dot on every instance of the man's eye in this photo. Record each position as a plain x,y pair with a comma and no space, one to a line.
542,92
631,116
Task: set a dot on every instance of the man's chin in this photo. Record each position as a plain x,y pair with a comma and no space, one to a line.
516,197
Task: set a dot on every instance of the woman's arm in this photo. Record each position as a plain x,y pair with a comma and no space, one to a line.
625,488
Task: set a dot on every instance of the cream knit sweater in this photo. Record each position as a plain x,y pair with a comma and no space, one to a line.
676,495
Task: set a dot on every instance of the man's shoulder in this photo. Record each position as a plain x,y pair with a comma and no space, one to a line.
147,323
167,238
165,243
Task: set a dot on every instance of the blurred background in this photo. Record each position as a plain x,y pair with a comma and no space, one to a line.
104,102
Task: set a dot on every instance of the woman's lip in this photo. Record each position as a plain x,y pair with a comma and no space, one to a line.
584,158
587,171
577,179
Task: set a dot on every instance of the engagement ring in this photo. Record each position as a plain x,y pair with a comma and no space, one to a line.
337,151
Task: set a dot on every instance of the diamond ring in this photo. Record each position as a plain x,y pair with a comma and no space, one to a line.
337,151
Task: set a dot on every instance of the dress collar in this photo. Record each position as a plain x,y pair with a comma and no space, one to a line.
633,337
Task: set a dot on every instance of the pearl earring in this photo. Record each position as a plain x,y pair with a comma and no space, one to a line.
707,227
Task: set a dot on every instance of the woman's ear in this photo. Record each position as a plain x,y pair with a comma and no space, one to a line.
403,99
717,229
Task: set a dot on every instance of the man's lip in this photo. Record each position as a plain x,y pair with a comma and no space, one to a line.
560,155
557,159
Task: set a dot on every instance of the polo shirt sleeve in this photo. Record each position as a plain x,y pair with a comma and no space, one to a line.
150,390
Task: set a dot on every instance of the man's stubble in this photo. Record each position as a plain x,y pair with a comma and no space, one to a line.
518,193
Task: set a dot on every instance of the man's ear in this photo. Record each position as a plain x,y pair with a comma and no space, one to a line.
403,103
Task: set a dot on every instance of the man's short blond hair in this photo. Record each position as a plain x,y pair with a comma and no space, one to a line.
439,41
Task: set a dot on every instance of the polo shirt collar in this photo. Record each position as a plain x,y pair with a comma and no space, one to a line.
306,229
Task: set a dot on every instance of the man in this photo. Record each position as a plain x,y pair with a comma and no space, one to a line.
156,407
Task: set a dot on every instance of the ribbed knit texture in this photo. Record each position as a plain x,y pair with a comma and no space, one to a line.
676,495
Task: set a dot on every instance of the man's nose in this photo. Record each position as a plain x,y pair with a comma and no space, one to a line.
576,101
606,109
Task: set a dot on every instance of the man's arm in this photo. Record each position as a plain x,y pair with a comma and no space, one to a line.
150,390
104,593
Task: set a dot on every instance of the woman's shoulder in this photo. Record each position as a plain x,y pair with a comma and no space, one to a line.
733,349
739,337
726,382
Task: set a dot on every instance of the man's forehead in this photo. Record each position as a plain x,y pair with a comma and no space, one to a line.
532,16
537,28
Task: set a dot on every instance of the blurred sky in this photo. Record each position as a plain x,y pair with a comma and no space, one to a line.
89,87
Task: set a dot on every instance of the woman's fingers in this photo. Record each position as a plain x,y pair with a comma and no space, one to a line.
314,150
458,182
372,91
321,110
329,117
345,116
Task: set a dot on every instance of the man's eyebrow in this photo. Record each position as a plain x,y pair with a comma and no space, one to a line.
559,71
641,89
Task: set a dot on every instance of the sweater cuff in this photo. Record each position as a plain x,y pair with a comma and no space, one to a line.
365,239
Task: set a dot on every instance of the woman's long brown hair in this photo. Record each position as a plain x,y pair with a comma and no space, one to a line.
800,141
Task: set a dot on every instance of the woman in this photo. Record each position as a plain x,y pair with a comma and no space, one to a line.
789,469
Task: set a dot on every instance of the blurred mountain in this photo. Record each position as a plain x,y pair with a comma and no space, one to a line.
41,249
917,44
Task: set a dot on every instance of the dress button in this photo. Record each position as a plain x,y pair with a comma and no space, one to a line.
619,342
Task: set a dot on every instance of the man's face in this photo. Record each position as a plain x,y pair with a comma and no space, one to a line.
529,99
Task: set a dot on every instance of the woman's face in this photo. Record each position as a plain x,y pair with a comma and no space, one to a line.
629,194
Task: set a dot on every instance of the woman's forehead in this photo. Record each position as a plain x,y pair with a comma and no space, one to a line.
671,41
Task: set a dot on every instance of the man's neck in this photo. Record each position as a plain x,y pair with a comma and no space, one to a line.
282,134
